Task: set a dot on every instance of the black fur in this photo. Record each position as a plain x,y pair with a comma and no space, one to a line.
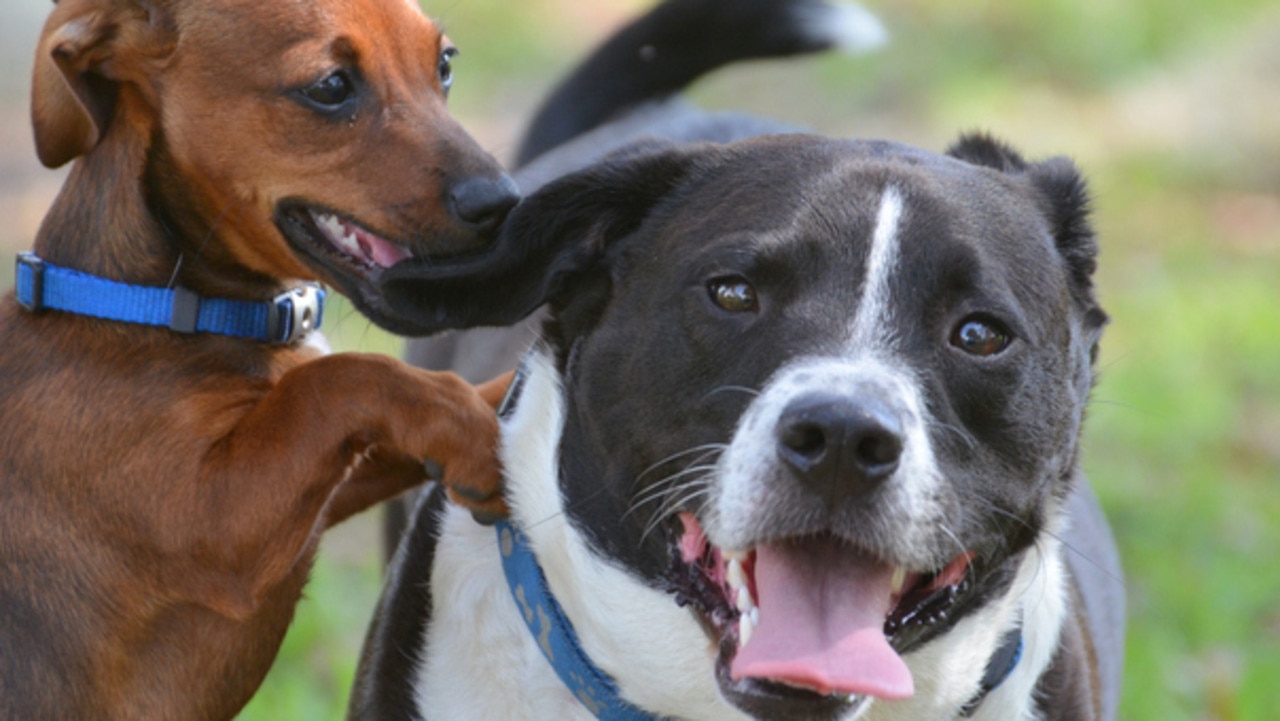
384,688
1067,205
663,53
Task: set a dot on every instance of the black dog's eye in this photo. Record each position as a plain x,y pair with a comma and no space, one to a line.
445,68
330,92
733,294
981,337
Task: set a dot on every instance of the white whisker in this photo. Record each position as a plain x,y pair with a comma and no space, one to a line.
708,447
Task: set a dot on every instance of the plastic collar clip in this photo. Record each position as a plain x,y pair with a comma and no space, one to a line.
295,313
34,300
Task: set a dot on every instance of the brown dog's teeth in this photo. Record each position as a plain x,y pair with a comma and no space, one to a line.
343,238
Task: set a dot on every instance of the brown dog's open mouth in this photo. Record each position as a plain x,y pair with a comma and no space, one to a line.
334,239
401,286
813,620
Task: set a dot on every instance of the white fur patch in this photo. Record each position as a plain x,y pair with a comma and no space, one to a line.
875,314
848,26
317,342
751,480
480,661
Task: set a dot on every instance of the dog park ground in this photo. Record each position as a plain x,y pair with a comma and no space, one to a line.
1172,111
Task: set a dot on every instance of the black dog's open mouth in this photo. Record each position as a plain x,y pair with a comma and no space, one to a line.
810,620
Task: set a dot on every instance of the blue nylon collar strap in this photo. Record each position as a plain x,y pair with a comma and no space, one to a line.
592,686
999,667
285,319
554,633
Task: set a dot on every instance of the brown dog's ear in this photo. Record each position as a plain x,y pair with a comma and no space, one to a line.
87,48
564,229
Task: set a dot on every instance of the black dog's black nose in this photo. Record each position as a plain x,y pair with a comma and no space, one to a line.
840,447
481,204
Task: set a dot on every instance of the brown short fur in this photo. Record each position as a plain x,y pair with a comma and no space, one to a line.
161,495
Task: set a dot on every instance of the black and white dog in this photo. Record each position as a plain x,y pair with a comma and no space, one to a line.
799,438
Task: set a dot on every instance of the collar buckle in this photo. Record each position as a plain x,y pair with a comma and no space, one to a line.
295,313
33,300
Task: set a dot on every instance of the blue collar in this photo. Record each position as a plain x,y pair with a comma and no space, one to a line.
284,319
554,633
999,667
592,686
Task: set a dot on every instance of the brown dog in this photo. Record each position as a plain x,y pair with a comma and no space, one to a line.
161,492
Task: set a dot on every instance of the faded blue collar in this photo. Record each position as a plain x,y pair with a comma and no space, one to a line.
554,633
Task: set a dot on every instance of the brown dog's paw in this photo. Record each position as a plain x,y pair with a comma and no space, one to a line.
473,477
485,501
482,495
455,432
487,512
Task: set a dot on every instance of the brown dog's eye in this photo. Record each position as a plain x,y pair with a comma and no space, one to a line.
981,337
331,92
445,69
733,294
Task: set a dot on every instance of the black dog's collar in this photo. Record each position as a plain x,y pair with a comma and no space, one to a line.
593,688
999,667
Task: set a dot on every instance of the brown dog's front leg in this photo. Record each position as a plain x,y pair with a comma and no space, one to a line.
383,473
377,475
368,420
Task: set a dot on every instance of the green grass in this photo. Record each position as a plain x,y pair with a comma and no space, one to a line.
1183,441
1185,451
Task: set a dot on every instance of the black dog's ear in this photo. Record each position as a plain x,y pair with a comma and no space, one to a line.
561,230
1065,198
982,149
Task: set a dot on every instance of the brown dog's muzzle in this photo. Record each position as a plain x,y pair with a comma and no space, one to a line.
360,261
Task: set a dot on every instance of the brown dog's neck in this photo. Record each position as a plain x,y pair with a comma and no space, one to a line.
99,223
107,223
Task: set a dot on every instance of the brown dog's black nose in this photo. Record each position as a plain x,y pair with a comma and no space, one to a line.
481,204
839,447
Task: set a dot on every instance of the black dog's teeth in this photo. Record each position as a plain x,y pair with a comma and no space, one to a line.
691,584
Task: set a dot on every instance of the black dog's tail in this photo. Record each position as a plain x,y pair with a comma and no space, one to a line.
666,50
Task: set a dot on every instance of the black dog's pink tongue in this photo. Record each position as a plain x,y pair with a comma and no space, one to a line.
822,614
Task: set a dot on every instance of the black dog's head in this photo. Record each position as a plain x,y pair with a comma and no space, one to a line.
827,393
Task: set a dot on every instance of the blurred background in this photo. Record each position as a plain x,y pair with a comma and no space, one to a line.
1172,108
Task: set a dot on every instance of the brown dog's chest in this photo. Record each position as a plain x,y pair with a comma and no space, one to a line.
105,431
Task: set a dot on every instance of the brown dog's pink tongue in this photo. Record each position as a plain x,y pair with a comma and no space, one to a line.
822,613
381,252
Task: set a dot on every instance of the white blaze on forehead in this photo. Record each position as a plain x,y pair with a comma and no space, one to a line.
871,325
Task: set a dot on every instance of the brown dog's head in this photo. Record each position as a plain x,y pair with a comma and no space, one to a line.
292,139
